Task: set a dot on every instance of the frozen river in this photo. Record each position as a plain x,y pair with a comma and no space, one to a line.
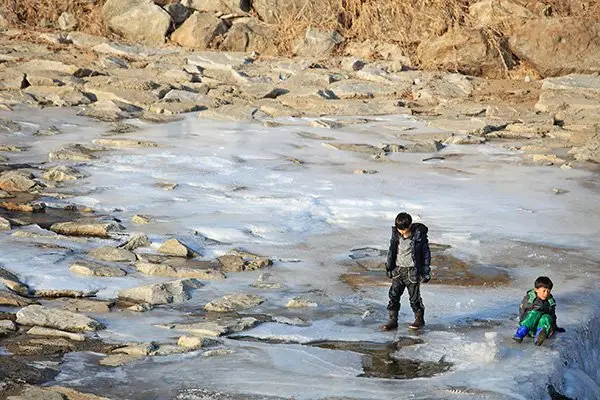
283,192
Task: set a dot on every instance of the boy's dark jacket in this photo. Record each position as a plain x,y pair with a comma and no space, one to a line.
421,255
532,302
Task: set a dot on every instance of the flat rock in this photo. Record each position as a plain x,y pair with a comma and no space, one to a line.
107,253
234,302
72,394
12,282
136,241
87,305
219,60
124,143
356,147
464,139
231,112
35,393
187,96
108,110
136,349
18,181
62,96
36,315
231,263
300,302
357,89
8,325
174,247
11,299
74,152
92,228
572,82
89,268
62,173
137,98
117,360
40,331
82,39
177,107
590,151
57,293
140,219
30,207
162,293
469,126
179,272
216,328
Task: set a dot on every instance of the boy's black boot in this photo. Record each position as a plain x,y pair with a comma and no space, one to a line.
419,320
392,323
540,336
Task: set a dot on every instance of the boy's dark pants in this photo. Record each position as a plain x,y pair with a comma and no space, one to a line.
406,279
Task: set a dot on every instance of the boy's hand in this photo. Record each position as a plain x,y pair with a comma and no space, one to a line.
426,278
389,273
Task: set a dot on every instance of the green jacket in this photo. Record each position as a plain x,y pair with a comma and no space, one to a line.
532,302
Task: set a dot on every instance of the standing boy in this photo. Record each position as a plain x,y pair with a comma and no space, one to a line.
407,265
537,313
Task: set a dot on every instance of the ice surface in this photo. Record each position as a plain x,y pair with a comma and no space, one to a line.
284,195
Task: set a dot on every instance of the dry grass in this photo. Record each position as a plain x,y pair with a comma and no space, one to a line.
32,13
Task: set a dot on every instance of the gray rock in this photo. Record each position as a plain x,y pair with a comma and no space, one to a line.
163,269
107,110
218,6
156,21
86,227
18,181
107,253
352,64
62,173
58,96
178,12
300,302
73,152
317,43
358,148
87,305
193,342
186,96
250,36
40,331
427,146
88,268
86,40
234,302
199,31
124,143
464,139
136,241
136,349
117,360
58,293
217,328
174,247
11,299
356,89
12,282
162,293
573,82
5,224
8,325
35,315
67,22
35,393
226,61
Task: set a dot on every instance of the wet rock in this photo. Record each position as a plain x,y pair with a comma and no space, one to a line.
4,224
168,349
174,247
471,126
291,321
107,253
86,227
33,207
231,263
199,31
40,331
558,46
226,61
140,219
18,181
74,152
87,305
547,159
136,349
34,393
10,299
12,282
426,146
124,143
300,302
72,394
179,272
465,139
178,12
136,241
36,315
166,185
117,360
142,307
234,302
317,43
62,173
107,110
360,171
162,293
264,281
88,268
118,15
216,328
192,342
258,263
358,148
250,36
57,293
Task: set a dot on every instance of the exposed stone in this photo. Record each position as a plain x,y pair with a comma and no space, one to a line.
187,96
62,173
12,282
426,146
178,12
124,143
199,31
40,331
72,394
179,272
218,6
234,302
573,82
36,315
17,181
52,78
258,263
271,11
264,282
136,349
498,13
11,299
87,305
82,39
217,328
547,159
358,148
177,107
94,269
590,151
299,302
117,360
162,293
352,64
58,96
463,50
86,228
75,152
174,247
156,21
558,46
250,36
231,263
107,110
129,100
5,224
67,22
136,241
8,325
226,61
469,126
57,293
192,342
35,393
317,43
464,139
12,80
357,89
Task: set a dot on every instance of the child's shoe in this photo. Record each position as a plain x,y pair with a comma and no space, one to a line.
540,336
520,334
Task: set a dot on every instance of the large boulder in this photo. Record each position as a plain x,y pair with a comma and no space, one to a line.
250,36
558,46
199,31
162,293
317,43
467,51
138,20
35,315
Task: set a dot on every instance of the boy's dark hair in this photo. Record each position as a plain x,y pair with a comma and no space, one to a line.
544,282
403,221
